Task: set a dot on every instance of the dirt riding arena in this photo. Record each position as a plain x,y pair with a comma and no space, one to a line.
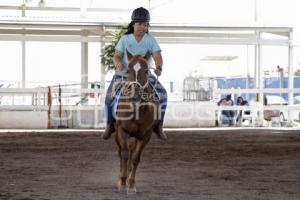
191,165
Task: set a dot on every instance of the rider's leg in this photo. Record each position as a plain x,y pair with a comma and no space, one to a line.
163,99
109,129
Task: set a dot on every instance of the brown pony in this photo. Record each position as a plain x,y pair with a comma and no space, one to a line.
137,113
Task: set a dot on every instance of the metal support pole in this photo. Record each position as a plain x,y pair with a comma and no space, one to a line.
255,47
102,80
84,69
260,79
248,73
102,75
23,44
291,74
84,65
255,67
23,64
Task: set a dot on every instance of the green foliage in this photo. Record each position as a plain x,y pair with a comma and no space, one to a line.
109,49
297,73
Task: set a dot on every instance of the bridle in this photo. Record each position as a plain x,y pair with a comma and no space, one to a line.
142,94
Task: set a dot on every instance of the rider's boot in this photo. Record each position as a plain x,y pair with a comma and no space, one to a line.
109,129
158,129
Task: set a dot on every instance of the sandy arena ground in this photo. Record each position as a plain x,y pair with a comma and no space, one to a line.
191,165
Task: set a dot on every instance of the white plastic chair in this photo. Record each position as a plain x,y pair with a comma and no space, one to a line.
251,117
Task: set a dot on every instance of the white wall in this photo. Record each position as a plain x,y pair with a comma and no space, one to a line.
190,115
178,115
23,119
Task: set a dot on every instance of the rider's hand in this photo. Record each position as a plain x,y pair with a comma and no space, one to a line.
120,66
157,71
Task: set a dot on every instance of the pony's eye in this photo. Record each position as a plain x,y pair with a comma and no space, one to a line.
146,71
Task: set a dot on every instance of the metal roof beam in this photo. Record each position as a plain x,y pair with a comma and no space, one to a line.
220,41
49,38
201,35
69,9
46,32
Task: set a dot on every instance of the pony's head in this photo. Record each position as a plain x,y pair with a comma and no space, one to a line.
138,70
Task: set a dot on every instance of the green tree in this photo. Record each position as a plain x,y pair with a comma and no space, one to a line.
297,73
109,49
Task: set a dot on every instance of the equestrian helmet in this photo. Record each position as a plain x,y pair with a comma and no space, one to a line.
140,15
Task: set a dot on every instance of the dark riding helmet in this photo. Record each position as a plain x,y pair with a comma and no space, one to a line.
140,15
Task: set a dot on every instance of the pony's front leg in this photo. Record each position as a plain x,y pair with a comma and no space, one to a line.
123,154
135,160
131,146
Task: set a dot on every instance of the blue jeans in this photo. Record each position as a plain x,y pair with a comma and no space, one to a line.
109,98
229,115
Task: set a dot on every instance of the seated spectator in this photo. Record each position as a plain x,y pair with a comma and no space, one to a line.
229,114
241,102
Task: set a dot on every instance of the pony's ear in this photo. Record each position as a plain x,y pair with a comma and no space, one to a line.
147,55
129,55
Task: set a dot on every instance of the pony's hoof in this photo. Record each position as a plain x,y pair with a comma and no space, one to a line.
121,187
131,190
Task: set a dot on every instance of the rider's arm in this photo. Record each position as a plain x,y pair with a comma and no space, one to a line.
158,62
118,60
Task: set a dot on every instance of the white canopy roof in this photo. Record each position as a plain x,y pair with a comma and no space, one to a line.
91,30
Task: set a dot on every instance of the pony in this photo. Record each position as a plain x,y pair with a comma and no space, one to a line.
137,114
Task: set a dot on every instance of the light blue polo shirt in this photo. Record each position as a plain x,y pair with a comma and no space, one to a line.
129,43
